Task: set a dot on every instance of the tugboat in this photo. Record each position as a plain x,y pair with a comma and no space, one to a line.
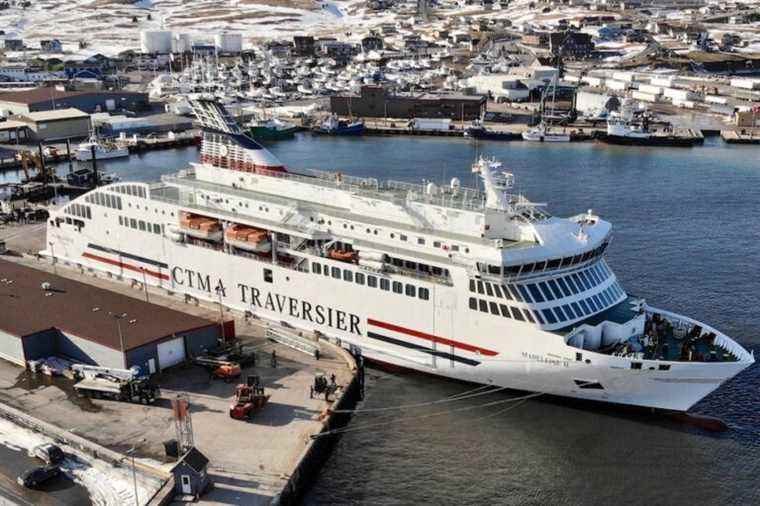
103,150
271,130
478,131
624,128
335,126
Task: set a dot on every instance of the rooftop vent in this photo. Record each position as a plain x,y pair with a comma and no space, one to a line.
45,286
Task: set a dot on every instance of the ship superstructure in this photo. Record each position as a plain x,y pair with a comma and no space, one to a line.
479,285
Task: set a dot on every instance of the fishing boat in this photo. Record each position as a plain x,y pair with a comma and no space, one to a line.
103,150
477,130
335,126
271,129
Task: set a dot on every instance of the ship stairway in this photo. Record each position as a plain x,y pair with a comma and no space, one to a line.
293,339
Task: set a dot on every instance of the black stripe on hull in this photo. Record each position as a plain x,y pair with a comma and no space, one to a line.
430,351
128,255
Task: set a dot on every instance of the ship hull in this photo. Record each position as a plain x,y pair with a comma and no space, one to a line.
621,140
436,336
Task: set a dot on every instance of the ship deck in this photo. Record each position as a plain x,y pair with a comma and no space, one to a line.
668,342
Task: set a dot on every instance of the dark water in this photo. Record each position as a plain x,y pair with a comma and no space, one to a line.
687,237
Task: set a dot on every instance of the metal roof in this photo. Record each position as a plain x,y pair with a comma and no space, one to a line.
83,310
59,114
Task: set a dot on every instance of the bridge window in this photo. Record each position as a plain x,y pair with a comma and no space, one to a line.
563,286
568,312
535,293
560,314
505,311
528,315
555,288
521,293
481,290
545,290
584,306
571,284
507,293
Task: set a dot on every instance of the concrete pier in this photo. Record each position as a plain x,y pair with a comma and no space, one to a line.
251,462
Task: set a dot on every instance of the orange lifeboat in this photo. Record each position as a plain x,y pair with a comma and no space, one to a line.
248,238
342,255
201,227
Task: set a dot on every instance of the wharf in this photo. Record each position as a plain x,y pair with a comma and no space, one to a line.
742,137
270,459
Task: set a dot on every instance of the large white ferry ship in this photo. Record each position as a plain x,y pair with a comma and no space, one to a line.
483,286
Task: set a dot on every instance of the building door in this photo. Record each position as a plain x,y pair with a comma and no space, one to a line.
171,352
186,488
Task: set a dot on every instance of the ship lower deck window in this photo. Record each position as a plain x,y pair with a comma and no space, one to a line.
545,291
483,305
424,293
316,268
507,293
560,314
517,314
494,308
535,293
359,278
497,291
411,291
398,287
335,273
473,303
385,284
472,285
549,316
372,281
348,275
489,290
528,315
584,306
268,275
481,289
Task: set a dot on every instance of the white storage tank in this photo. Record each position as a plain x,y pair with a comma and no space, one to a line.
182,43
156,42
228,43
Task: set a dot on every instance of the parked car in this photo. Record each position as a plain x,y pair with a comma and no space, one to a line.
48,453
37,476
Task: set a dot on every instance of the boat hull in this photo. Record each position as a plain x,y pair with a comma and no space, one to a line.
349,130
490,135
85,155
654,140
272,134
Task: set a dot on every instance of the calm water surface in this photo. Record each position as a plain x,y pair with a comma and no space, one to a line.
686,237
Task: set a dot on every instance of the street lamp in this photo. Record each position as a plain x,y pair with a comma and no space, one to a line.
52,254
118,317
221,311
145,284
131,453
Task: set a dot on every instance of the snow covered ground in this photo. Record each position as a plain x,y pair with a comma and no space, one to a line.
107,25
106,484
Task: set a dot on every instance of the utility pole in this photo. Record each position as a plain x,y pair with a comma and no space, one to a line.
118,317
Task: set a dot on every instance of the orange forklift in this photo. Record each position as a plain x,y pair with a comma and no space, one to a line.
249,398
219,369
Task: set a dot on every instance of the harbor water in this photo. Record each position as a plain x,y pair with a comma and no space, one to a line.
686,238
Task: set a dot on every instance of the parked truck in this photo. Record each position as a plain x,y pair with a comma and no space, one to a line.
117,384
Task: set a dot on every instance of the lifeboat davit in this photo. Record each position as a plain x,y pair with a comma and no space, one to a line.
248,238
342,255
201,227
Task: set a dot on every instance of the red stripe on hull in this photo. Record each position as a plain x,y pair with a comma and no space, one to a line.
431,337
128,267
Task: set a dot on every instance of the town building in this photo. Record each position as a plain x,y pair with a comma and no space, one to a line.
50,98
46,315
45,126
379,102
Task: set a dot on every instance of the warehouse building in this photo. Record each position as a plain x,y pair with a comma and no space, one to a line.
56,125
378,102
52,98
44,315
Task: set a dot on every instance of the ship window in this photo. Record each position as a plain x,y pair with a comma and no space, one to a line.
538,317
326,271
507,292
393,236
540,266
592,304
598,302
563,286
635,365
473,303
68,220
549,316
494,269
397,287
411,291
402,237
121,220
348,275
316,268
424,268
268,275
505,311
545,290
142,225
397,262
535,293
553,264
590,279
133,223
372,281
528,268
571,284
410,265
559,313
497,290
604,298
664,367
481,291
568,312
517,314
528,315
89,213
424,293
454,247
595,277
586,309
436,244
521,294
576,259
385,284
335,273
483,305
472,285
494,308
512,269
576,309
156,228
579,282
555,288
359,278
489,290
421,241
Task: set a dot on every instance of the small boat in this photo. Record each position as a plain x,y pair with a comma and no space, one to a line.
335,126
622,130
541,133
200,227
103,150
478,131
271,130
342,255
